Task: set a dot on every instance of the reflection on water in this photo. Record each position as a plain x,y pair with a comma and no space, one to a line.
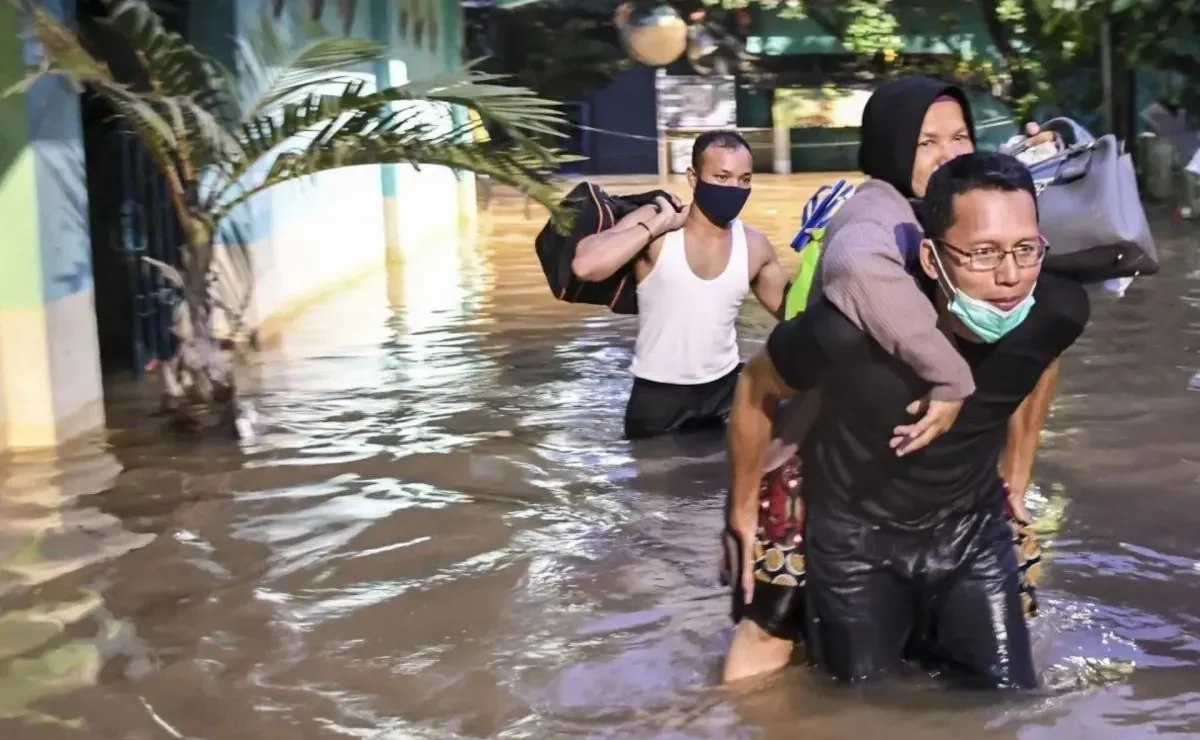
439,534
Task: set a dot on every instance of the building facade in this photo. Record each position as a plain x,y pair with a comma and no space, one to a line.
308,238
810,85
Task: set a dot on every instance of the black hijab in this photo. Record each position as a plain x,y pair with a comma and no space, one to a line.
891,125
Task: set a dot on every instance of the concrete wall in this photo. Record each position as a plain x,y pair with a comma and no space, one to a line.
50,386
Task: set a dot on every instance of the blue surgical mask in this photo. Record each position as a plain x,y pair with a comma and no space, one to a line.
983,319
721,204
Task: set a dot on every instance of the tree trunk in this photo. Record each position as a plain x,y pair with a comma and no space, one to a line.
199,390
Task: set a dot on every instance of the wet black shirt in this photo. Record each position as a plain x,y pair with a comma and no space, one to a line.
848,465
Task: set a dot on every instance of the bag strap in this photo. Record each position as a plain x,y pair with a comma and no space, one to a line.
1070,131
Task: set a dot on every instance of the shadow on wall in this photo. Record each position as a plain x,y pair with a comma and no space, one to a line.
56,136
64,174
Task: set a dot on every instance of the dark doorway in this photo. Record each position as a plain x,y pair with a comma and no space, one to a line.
129,211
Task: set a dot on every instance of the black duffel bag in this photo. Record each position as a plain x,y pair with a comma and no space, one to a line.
593,211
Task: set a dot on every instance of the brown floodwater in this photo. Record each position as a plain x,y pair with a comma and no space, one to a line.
438,533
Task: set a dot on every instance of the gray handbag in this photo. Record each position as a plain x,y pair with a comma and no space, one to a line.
1090,210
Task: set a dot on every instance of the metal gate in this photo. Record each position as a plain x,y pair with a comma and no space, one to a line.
134,219
130,212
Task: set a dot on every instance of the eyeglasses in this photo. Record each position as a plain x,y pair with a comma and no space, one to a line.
984,259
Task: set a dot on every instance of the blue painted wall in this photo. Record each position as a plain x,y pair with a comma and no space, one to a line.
56,138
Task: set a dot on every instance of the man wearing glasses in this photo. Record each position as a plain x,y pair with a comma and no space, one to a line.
911,557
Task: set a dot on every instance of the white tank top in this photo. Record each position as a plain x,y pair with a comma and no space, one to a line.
686,325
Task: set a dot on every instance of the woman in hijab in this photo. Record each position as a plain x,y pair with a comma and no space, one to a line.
911,126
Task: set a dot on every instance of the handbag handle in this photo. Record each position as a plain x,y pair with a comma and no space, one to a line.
1068,134
1069,165
1071,133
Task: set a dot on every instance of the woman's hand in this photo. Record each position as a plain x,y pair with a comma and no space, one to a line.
1036,135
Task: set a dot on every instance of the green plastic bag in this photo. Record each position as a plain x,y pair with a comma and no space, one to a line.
797,296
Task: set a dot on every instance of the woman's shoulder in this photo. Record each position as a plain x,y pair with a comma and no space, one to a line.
874,201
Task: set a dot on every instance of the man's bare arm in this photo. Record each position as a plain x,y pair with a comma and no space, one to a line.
770,282
599,256
1024,434
758,393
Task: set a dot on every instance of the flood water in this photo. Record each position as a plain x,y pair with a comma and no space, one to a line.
438,533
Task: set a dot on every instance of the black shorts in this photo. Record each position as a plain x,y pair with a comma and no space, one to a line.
780,598
659,408
950,598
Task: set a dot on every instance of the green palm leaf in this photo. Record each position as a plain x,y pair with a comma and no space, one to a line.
518,166
516,110
62,52
280,71
411,112
178,131
174,67
181,117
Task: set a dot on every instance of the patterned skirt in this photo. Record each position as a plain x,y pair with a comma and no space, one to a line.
779,544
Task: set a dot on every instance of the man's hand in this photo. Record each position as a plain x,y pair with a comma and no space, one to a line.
1016,504
1034,145
669,217
938,416
739,546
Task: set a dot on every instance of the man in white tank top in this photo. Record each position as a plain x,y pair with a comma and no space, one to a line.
694,265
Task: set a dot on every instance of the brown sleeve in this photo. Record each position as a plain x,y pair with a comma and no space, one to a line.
864,277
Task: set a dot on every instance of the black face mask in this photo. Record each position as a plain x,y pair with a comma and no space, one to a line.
720,203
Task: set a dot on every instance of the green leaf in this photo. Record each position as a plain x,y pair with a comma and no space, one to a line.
280,72
517,166
175,67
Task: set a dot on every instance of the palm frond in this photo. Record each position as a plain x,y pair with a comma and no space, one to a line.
65,55
517,110
175,68
280,71
409,110
62,53
339,124
529,170
177,129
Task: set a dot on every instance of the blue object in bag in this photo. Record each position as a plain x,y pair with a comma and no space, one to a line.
817,212
819,209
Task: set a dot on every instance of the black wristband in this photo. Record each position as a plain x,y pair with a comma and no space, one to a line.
647,228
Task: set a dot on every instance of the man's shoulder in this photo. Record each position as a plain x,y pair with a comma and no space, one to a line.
827,326
1059,315
755,239
1062,299
807,347
758,249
